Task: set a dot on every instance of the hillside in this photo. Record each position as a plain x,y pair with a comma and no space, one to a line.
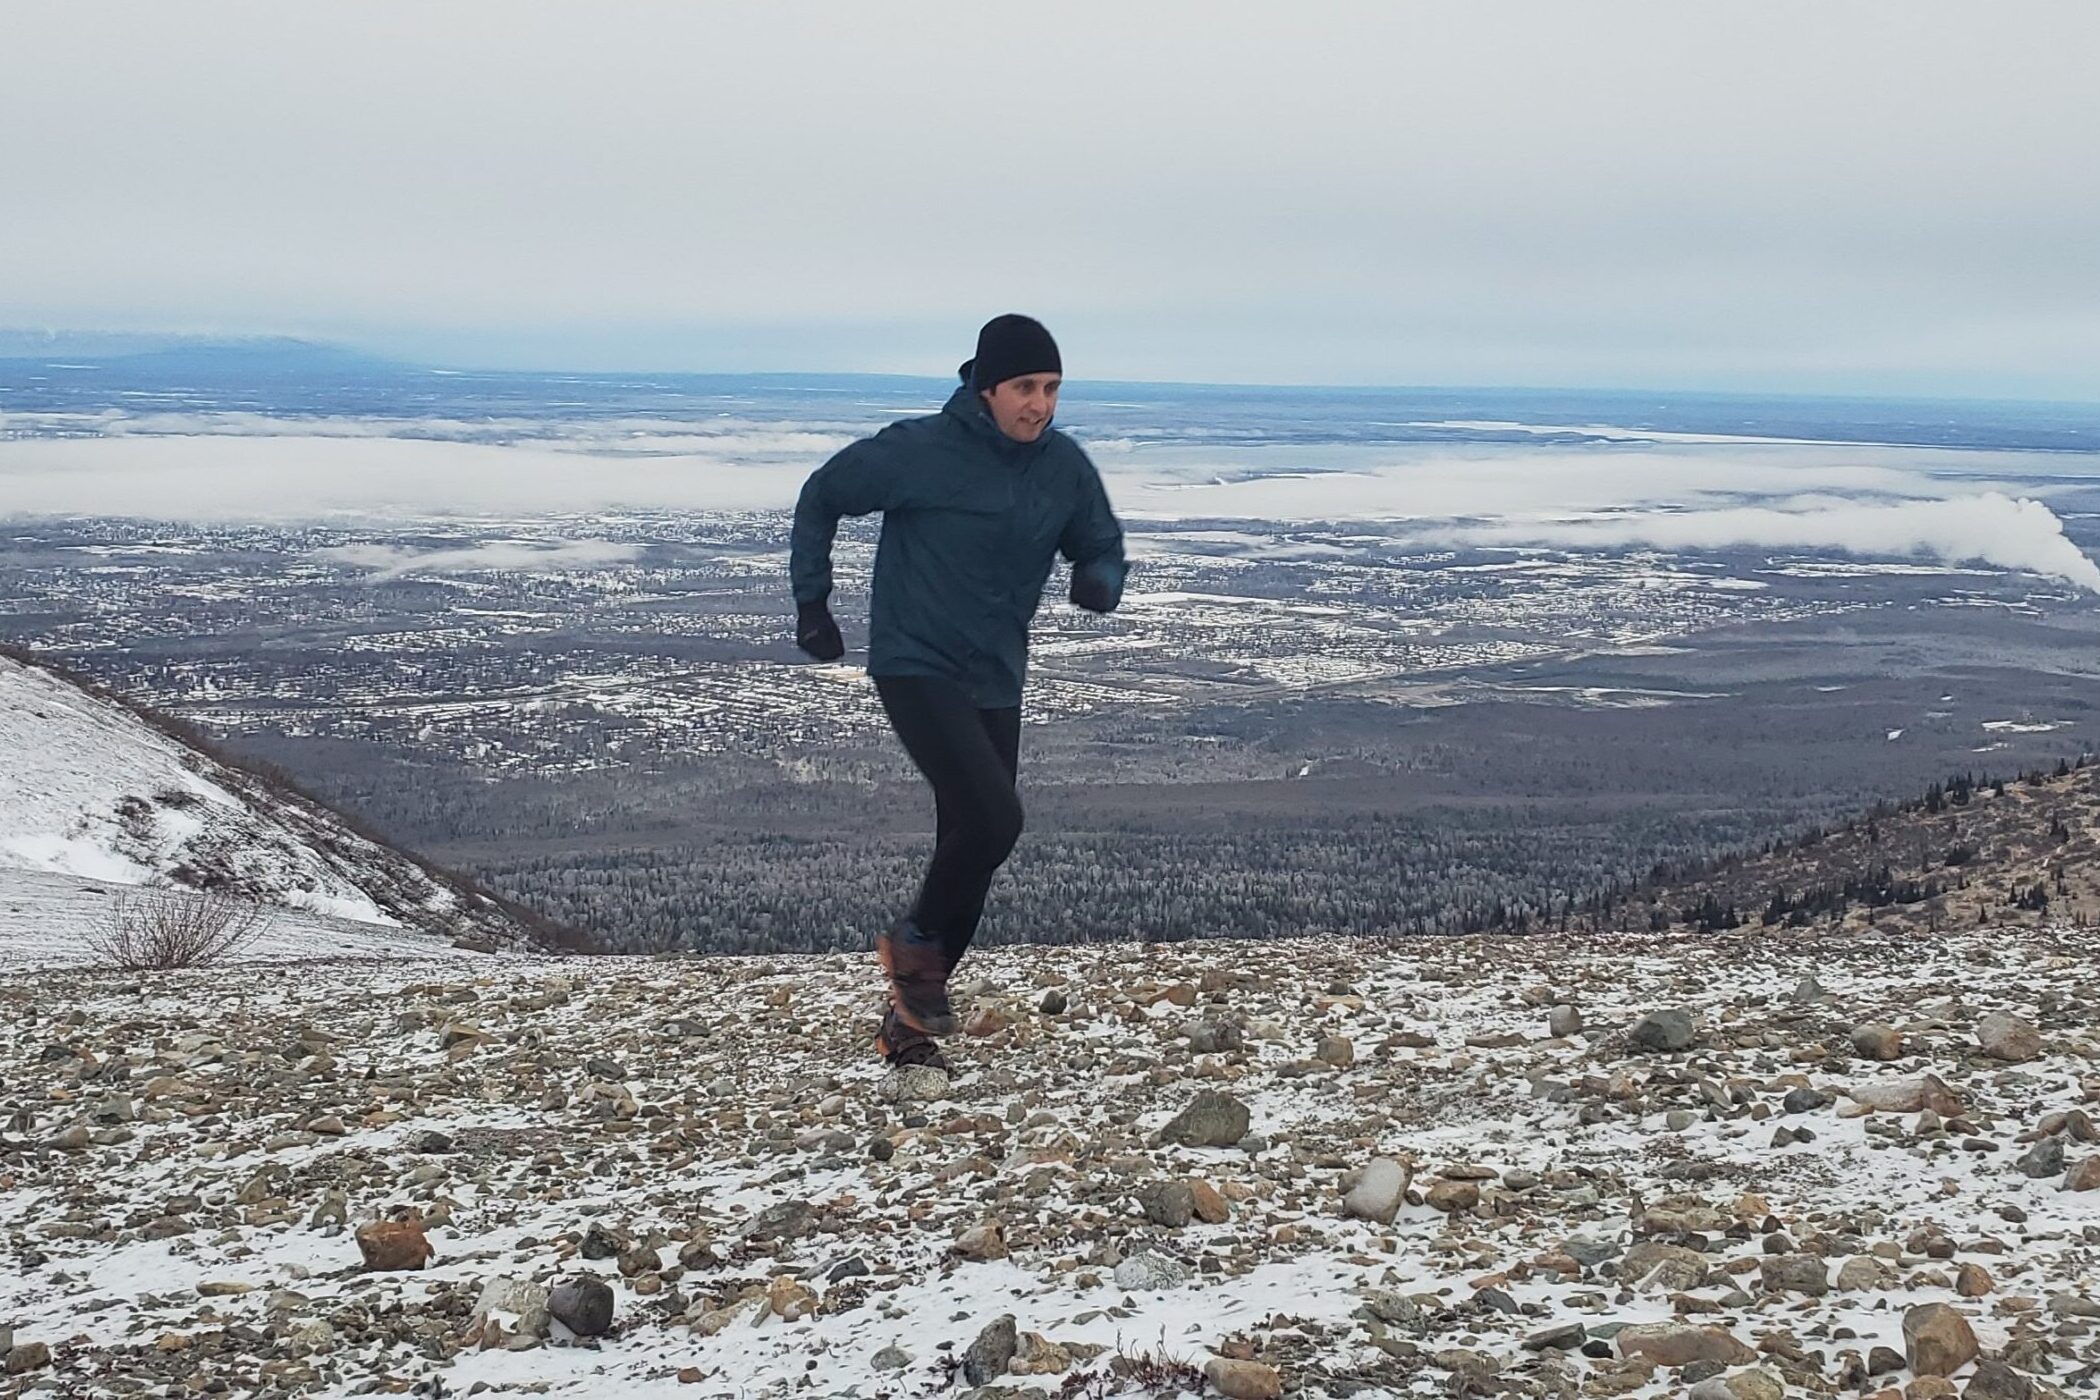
106,794
2020,852
1736,1167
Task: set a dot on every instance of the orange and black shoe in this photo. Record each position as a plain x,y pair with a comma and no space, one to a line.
918,972
898,1044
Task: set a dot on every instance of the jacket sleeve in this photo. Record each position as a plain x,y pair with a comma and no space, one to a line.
1093,542
861,478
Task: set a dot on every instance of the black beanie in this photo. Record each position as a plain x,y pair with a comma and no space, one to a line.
1008,347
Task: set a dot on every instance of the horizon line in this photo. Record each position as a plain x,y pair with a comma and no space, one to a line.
178,342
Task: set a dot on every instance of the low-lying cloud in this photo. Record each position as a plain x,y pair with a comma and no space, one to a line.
1989,528
390,561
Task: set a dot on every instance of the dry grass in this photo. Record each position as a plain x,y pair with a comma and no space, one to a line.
155,930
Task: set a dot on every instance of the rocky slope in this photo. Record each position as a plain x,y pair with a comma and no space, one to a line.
105,793
1735,1167
2024,852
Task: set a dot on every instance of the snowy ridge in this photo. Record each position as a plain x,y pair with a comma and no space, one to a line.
97,792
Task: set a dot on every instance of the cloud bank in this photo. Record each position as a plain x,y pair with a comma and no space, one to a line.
1989,528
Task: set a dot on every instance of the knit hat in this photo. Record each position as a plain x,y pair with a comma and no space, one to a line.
1008,347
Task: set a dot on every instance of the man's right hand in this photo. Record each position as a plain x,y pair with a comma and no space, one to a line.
816,633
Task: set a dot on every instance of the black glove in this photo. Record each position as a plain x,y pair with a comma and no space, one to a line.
1091,591
816,633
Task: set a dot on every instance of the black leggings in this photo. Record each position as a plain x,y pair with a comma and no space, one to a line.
971,757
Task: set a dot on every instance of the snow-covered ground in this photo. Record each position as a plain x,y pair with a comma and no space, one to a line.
94,792
50,922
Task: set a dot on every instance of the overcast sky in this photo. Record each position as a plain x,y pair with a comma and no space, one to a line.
1899,196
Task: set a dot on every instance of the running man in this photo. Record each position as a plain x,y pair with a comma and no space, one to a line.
977,501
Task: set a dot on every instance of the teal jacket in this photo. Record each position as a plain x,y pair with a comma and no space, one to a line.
971,523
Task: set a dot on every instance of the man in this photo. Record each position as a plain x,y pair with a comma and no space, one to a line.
976,502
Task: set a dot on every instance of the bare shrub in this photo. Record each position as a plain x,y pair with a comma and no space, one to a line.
156,929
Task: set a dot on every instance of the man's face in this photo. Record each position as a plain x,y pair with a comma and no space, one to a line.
1024,406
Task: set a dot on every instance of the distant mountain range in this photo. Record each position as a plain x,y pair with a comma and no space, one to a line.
247,359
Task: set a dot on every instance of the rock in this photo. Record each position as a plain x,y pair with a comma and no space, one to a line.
1994,1380
74,1139
1037,1355
1794,1273
1243,1380
986,1020
1972,1281
1566,1336
2004,1036
29,1356
1336,1050
913,1084
1054,1003
1863,1273
890,1358
432,1141
1210,1207
992,1352
1146,1271
1937,1340
1168,1203
1668,1030
1806,1101
786,1220
1453,1197
1912,1095
981,1243
1379,1191
583,1303
1213,1120
2084,1177
510,1295
1877,1041
1756,1383
393,1244
2045,1158
600,1243
1680,1344
789,1299
1564,1021
1884,1361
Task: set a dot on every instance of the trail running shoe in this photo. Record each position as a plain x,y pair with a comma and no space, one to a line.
918,973
900,1045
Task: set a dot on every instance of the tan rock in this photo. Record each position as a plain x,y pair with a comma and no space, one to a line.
2007,1037
2084,1177
1453,1197
986,1020
981,1243
1243,1380
1037,1355
1972,1281
1937,1340
789,1300
394,1244
1209,1206
1912,1095
1676,1344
